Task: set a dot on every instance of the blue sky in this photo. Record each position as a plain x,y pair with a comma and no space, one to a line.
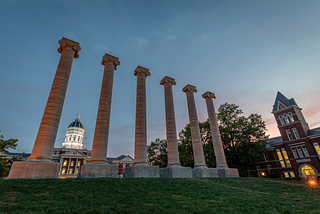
243,51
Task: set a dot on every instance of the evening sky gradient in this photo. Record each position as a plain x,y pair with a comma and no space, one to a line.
243,51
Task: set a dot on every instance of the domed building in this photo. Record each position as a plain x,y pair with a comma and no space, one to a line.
74,135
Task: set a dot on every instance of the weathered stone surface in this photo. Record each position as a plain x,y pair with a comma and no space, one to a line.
176,172
44,143
172,142
204,172
100,140
199,160
98,170
140,141
141,171
228,172
34,170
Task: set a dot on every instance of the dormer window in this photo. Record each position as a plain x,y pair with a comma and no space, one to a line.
281,120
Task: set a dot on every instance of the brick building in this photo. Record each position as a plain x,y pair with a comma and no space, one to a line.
295,154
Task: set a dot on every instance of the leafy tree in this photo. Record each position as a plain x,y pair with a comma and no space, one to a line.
7,144
3,169
244,139
157,153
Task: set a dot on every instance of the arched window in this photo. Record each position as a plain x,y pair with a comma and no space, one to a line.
280,158
286,118
316,146
281,120
307,172
290,117
285,155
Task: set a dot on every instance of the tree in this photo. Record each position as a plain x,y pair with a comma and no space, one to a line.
7,144
244,139
157,153
4,145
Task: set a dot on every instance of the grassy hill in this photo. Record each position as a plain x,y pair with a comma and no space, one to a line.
147,195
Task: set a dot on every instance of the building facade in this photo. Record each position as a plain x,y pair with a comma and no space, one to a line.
295,154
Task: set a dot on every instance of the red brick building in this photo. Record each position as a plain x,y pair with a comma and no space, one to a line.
296,153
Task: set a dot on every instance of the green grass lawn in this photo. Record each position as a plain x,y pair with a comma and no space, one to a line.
158,195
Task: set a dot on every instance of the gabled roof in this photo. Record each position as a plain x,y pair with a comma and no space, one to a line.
282,100
121,157
274,140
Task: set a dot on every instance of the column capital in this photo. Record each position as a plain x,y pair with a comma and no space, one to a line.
140,70
167,80
64,42
189,88
109,58
208,94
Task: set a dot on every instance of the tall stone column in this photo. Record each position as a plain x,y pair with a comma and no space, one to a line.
140,145
98,165
222,167
141,167
194,126
174,169
44,143
200,167
215,133
100,140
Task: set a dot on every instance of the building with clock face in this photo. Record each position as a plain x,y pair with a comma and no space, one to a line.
295,154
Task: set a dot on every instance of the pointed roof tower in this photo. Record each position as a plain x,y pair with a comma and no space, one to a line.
283,102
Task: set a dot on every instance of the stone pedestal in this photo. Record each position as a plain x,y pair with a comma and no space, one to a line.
34,170
141,171
176,172
98,170
228,172
204,172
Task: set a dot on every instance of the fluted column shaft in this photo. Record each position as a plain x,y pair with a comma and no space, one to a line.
140,145
199,160
44,143
215,133
101,134
172,144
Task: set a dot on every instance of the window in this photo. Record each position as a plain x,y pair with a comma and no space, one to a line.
286,174
316,146
77,171
290,117
72,163
294,152
292,174
69,137
305,151
285,155
65,162
289,134
79,162
296,134
281,158
299,152
286,118
79,138
70,171
74,138
281,120
307,171
63,171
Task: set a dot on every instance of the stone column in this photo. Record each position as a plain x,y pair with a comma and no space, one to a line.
98,165
172,142
215,133
141,167
222,167
100,140
39,164
140,144
194,126
43,146
174,169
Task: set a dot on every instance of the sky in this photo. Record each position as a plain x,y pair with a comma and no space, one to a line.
243,51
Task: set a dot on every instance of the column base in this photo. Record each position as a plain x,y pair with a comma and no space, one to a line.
34,170
228,173
176,172
204,172
141,171
98,170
